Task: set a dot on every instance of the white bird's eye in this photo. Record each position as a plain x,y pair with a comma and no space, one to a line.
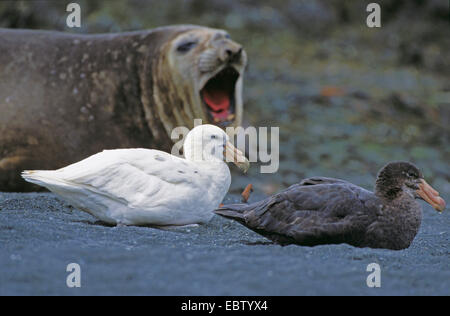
213,136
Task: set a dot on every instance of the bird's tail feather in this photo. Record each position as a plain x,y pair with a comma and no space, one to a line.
43,178
238,211
234,211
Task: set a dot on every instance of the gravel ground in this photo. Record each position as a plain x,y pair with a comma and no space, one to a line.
348,99
40,236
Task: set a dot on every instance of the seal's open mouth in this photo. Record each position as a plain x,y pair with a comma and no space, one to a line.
219,96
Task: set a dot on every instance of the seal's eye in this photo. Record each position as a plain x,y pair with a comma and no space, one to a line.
186,46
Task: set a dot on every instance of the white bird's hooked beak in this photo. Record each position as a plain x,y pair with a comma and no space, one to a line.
232,154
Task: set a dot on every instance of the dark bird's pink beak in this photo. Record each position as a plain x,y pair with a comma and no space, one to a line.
431,196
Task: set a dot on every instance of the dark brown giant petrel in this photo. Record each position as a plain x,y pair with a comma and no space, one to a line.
320,211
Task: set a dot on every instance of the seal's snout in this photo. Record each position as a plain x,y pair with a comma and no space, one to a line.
230,52
233,54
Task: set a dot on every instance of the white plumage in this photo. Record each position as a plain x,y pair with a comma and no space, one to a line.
149,187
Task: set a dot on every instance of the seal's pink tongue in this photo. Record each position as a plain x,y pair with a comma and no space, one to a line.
217,100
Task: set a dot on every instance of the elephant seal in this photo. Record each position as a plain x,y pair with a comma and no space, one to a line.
64,97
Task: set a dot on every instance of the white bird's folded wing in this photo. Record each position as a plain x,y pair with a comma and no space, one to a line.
135,176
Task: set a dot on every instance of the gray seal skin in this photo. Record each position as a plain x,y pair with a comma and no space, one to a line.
64,97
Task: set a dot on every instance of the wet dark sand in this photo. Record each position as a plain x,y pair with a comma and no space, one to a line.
39,236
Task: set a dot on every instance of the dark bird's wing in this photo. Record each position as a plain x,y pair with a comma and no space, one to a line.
312,212
320,180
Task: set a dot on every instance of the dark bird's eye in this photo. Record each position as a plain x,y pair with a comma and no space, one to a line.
411,174
185,47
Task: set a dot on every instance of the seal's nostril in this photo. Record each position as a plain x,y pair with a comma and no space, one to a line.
233,54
